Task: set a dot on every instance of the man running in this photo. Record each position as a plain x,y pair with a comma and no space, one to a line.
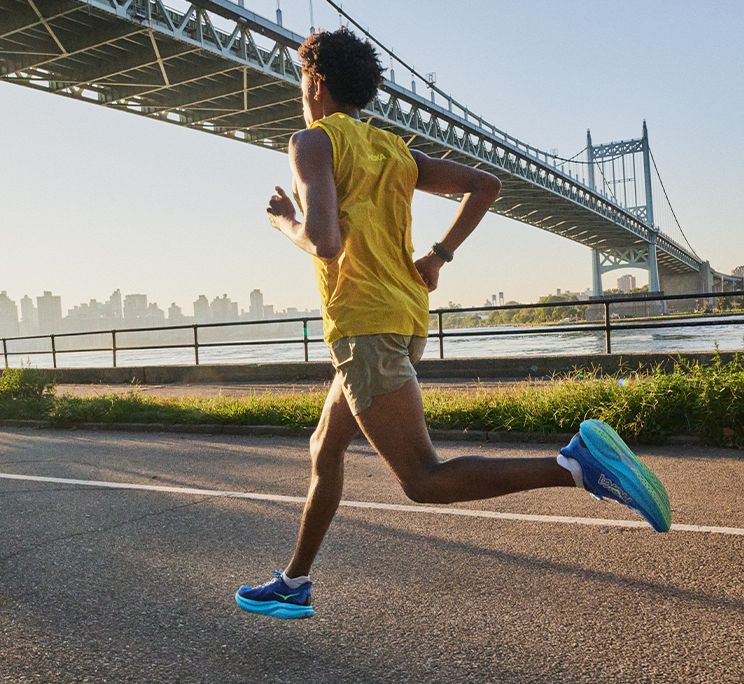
354,185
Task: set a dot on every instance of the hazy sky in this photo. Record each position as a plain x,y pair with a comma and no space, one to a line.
93,200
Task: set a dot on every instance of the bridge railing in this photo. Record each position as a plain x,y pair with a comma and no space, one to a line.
607,323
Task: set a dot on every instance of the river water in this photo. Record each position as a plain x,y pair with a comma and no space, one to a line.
525,342
728,336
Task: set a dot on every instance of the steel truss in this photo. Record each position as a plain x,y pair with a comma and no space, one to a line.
617,149
624,258
243,83
646,257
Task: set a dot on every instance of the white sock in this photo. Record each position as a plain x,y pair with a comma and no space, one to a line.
573,467
294,582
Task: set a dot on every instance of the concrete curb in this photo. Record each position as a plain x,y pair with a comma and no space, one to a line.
493,436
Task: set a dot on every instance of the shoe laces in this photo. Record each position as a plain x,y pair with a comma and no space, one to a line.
277,575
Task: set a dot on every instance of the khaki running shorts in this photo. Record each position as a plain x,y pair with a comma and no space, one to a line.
369,365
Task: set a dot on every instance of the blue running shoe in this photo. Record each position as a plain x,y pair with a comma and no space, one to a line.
277,599
611,470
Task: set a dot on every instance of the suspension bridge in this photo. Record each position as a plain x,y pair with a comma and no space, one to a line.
217,67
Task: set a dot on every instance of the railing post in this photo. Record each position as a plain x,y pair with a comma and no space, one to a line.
608,344
305,339
54,352
113,345
440,334
5,352
196,344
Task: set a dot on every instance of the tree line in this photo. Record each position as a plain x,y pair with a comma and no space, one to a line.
568,308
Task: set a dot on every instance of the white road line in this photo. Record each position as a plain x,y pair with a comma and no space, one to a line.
379,506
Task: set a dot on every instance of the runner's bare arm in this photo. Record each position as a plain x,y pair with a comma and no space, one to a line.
311,161
479,190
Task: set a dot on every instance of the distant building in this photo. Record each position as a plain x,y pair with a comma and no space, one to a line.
113,307
29,316
91,311
496,300
567,294
256,310
50,312
738,272
135,306
154,315
626,283
8,316
175,314
223,310
202,312
579,295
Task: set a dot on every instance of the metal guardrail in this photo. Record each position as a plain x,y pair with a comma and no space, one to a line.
195,345
607,326
441,333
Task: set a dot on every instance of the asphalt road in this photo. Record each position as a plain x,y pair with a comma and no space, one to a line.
101,584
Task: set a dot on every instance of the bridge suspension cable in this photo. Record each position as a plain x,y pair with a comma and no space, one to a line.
671,208
435,89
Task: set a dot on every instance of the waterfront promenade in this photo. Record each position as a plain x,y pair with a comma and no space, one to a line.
120,554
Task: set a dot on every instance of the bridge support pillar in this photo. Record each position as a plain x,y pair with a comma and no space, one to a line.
688,283
590,159
653,266
596,273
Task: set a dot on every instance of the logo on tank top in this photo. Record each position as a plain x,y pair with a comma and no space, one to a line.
376,157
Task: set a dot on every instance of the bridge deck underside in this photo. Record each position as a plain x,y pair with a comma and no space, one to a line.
82,52
128,66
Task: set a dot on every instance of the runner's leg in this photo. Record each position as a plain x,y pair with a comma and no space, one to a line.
395,426
336,428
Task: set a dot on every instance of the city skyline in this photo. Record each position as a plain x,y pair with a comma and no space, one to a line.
23,317
84,304
96,200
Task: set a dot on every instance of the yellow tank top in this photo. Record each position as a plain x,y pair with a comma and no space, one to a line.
372,286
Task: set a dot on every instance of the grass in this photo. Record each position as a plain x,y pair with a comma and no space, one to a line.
269,409
704,401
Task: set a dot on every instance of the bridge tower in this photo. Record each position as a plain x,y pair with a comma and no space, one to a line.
619,159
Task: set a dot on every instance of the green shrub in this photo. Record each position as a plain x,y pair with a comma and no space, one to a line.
26,393
27,383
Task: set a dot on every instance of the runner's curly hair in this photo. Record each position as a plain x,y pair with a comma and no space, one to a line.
349,65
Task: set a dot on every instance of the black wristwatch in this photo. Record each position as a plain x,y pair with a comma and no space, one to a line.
441,252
